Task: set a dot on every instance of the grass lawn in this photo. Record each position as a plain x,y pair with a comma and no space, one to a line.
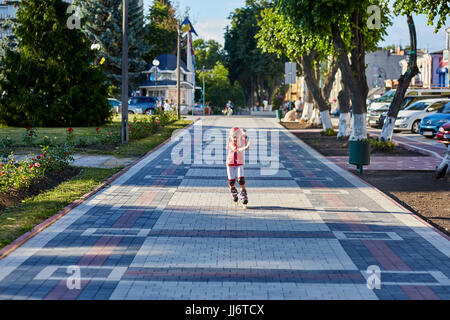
134,149
16,221
22,218
17,134
140,147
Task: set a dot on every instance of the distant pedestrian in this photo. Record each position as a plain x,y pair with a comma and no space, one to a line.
229,108
167,106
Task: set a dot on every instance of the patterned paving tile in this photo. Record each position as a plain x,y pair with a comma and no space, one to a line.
168,230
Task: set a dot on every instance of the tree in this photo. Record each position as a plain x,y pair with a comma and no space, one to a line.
208,53
103,26
219,89
258,73
161,29
433,9
347,23
278,34
50,80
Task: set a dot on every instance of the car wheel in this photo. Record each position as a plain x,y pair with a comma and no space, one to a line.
130,112
415,127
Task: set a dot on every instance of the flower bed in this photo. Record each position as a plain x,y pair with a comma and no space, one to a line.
19,175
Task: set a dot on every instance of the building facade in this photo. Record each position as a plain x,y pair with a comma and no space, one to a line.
383,65
162,81
8,10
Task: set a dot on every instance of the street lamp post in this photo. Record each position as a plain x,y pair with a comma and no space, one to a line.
156,64
125,72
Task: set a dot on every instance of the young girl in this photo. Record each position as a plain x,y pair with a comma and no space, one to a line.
236,145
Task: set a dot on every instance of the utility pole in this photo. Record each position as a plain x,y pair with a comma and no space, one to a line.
125,72
203,90
179,71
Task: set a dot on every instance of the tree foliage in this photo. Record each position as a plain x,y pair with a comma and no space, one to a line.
437,11
257,72
208,53
161,29
103,25
50,80
219,89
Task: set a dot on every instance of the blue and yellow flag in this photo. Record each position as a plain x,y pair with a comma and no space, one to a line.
186,26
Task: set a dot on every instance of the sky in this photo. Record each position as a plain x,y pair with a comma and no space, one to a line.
209,18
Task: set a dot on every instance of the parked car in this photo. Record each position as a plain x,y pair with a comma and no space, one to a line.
115,104
410,118
430,125
443,134
376,117
381,101
142,105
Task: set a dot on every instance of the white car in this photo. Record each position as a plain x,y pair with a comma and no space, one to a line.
409,119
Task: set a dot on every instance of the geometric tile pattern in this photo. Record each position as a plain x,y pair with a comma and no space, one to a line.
169,230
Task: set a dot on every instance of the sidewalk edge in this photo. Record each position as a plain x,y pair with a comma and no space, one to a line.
49,221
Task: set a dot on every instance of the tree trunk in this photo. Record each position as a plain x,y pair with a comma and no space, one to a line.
403,84
312,78
359,131
309,105
252,93
329,81
344,117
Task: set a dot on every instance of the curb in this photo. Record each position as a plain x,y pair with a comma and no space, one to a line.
49,221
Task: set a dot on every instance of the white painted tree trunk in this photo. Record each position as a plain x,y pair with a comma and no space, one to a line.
359,128
307,111
344,125
315,117
326,120
388,129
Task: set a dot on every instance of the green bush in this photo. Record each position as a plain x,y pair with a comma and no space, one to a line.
30,133
5,147
380,145
329,133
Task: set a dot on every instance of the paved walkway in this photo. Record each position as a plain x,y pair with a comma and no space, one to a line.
168,231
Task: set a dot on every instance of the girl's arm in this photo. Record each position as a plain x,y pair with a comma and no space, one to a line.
246,147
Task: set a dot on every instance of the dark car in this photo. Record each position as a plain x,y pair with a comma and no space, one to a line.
376,117
143,105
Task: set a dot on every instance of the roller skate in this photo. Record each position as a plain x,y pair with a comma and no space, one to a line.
235,195
244,198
